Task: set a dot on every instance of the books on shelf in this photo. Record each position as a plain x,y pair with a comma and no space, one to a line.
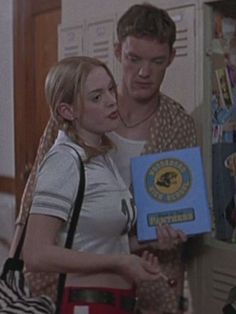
224,87
169,187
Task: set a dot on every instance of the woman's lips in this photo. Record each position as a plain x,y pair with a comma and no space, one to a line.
113,115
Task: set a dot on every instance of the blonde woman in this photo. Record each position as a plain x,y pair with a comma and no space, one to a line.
101,272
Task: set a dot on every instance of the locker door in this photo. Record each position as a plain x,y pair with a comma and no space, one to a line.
180,80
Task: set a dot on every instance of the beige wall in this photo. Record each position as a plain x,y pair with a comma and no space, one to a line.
7,160
7,167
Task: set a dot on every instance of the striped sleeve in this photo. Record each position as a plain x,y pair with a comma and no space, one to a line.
57,185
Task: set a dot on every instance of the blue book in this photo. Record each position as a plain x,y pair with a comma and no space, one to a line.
169,187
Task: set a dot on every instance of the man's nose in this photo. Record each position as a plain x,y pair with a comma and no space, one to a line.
144,70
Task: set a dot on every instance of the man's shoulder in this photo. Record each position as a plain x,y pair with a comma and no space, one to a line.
168,101
173,107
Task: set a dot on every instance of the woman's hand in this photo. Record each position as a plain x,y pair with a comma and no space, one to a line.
136,269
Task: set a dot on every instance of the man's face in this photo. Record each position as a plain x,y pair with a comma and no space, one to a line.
144,62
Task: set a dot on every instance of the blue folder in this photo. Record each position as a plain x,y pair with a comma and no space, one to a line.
169,187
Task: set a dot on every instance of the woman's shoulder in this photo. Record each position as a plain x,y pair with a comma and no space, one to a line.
61,158
64,146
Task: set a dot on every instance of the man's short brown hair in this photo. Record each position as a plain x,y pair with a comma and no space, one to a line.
146,20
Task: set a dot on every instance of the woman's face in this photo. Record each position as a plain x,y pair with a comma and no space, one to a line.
100,112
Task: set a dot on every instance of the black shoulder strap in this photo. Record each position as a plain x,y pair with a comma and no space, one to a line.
72,228
78,202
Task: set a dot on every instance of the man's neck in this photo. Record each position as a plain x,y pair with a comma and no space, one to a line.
132,109
135,117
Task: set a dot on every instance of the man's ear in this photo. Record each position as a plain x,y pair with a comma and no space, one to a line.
172,56
65,111
117,50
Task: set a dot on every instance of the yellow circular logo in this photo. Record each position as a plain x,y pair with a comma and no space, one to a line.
168,180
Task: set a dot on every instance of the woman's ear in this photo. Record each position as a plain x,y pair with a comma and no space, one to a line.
66,111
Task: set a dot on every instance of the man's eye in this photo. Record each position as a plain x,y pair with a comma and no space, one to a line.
134,59
112,89
158,61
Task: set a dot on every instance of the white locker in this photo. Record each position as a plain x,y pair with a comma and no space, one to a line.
180,80
99,41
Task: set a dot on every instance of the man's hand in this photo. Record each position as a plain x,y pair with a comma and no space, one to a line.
168,237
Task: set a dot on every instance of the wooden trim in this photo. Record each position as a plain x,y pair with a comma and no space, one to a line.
24,10
22,57
7,185
45,5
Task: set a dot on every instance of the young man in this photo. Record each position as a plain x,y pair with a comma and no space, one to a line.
149,120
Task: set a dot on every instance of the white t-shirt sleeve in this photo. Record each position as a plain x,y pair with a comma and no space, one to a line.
57,185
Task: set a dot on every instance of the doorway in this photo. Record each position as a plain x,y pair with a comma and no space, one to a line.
36,50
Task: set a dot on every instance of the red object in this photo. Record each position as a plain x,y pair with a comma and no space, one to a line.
68,306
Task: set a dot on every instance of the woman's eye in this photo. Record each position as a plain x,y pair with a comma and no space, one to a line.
97,97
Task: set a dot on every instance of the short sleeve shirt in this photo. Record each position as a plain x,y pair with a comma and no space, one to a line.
107,212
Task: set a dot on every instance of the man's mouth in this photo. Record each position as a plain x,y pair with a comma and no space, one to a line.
143,84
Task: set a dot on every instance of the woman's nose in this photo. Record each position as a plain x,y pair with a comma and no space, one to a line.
111,99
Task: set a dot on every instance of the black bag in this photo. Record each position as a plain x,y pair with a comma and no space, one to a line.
230,306
15,296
